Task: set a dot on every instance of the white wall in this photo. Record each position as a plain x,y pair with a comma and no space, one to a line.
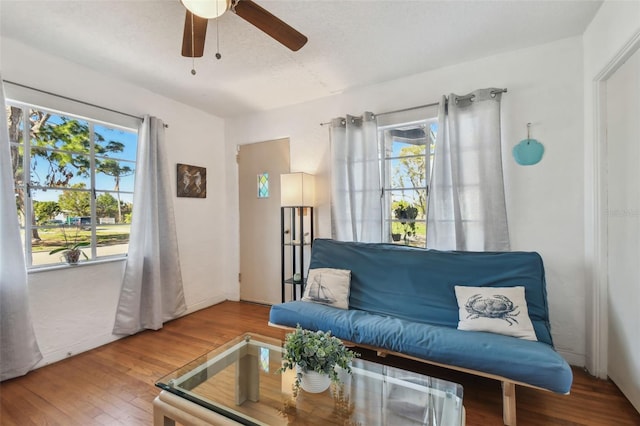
612,31
545,201
74,308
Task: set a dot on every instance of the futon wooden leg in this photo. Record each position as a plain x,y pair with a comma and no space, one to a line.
509,403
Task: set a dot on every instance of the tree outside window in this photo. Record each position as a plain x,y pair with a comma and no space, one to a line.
71,170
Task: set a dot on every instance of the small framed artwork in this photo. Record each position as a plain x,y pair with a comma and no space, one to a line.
192,181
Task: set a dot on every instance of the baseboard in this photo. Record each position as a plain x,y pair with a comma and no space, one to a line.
628,389
204,304
577,360
86,345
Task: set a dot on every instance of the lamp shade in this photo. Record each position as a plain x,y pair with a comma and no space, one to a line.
208,9
297,190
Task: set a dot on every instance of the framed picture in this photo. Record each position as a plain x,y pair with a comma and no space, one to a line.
192,181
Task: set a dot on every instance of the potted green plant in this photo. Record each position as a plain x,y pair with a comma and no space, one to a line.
71,250
407,215
314,355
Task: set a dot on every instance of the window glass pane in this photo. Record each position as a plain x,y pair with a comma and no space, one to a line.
408,198
112,239
115,143
113,228
407,172
406,234
53,225
404,148
59,169
407,214
15,125
53,131
263,185
114,207
17,165
433,132
46,207
115,158
74,202
116,175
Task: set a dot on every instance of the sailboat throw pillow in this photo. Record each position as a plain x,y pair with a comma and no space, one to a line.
328,286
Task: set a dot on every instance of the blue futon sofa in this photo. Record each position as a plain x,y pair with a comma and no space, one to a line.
402,301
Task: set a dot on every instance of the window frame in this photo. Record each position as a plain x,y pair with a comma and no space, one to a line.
387,168
28,186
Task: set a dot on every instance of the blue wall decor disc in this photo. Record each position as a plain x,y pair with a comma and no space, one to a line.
528,152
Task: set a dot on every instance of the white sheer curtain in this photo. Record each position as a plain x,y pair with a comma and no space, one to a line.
152,290
467,208
19,351
356,192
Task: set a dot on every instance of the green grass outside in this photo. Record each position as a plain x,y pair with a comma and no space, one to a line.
417,240
51,238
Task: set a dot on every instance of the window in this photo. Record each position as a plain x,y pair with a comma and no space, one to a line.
408,149
74,180
263,185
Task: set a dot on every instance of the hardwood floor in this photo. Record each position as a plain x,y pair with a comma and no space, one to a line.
114,384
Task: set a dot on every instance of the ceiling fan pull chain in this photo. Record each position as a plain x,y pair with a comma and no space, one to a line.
218,55
193,49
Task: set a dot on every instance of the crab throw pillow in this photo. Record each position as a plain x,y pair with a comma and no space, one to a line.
501,310
328,286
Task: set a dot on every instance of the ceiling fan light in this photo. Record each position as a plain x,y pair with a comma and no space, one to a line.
207,9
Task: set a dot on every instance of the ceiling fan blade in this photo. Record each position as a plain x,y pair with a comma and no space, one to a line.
270,24
195,50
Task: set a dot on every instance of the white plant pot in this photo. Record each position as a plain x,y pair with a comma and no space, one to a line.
313,382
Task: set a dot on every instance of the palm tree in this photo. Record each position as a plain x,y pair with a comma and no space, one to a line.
112,168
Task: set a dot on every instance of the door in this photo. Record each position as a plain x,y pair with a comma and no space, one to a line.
260,219
623,222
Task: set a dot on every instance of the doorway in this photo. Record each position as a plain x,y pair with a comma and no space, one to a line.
259,168
623,226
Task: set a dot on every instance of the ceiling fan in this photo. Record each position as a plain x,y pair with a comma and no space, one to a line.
200,11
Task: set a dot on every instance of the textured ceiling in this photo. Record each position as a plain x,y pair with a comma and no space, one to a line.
351,43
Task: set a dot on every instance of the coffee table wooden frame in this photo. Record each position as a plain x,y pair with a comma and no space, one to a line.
169,408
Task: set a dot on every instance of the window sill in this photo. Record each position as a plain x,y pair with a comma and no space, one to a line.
47,268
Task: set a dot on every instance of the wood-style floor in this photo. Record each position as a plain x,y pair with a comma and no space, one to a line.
114,384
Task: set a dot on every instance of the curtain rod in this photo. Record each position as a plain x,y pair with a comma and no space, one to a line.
76,100
494,92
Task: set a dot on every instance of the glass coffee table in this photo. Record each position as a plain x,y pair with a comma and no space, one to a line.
239,383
